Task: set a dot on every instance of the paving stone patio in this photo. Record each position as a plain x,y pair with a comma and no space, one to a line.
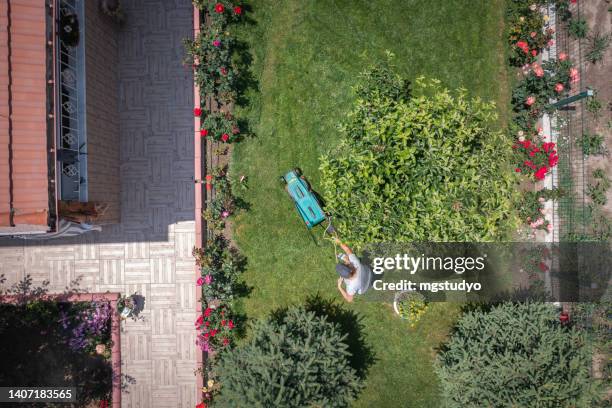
150,251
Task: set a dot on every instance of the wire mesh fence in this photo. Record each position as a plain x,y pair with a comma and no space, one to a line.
573,213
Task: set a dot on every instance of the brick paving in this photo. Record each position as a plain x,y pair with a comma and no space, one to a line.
150,251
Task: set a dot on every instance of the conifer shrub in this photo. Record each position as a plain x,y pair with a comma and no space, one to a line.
516,355
296,359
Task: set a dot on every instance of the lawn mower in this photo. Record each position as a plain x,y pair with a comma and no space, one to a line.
306,201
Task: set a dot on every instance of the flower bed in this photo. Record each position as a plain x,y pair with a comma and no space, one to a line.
541,83
70,339
219,265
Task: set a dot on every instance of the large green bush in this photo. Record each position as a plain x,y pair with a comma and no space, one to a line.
419,165
516,355
295,360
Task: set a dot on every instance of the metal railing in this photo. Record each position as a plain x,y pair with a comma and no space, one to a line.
71,135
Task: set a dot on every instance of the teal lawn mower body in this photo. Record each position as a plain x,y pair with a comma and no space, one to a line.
305,200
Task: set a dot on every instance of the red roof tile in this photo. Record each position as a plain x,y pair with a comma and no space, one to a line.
24,187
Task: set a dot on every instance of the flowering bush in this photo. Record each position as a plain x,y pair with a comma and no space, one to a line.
220,126
221,267
552,79
531,207
221,12
89,327
526,34
216,328
211,55
536,159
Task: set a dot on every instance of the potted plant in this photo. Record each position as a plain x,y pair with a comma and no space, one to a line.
126,305
410,306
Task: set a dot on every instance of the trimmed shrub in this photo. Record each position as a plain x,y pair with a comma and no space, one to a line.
293,360
421,167
516,355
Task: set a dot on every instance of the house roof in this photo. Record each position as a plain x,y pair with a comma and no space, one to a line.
24,186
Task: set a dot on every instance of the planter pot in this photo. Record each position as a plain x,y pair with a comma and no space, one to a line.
126,312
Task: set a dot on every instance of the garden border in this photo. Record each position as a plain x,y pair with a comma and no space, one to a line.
115,330
200,194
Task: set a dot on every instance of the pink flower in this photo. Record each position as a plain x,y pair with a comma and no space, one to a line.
559,87
200,281
217,43
562,56
225,214
225,137
551,43
208,279
534,52
530,100
207,311
533,34
574,75
197,111
199,320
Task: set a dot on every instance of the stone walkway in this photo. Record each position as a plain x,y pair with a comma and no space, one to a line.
150,251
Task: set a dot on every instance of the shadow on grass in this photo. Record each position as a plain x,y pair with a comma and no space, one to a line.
348,322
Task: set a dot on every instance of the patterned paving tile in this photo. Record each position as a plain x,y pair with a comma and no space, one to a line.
150,251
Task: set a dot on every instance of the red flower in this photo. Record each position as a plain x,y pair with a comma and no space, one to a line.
518,170
225,137
238,10
530,100
213,332
207,324
541,173
559,87
231,324
197,111
199,321
529,164
223,322
525,143
203,132
207,311
543,267
223,71
534,52
225,341
219,8
523,46
548,146
573,1
201,405
217,43
553,159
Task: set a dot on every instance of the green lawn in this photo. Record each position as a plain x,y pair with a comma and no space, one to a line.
306,56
